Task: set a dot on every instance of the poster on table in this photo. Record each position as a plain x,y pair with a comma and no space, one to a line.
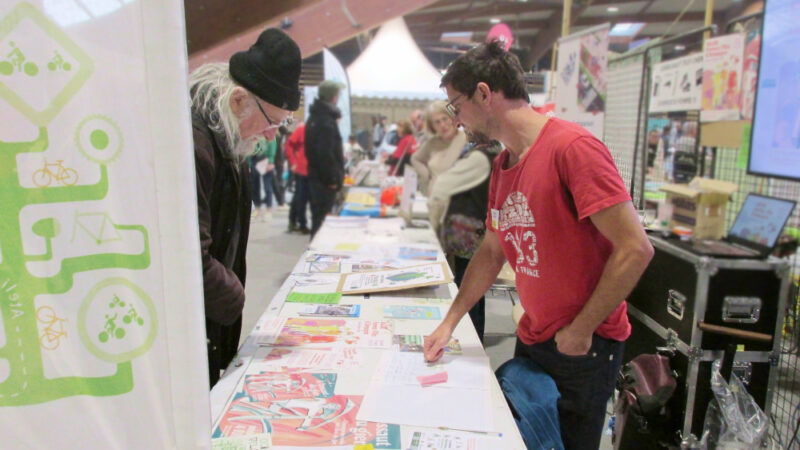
722,78
97,193
580,95
676,85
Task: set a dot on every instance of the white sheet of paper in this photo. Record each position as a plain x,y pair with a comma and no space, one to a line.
461,409
402,368
269,328
425,439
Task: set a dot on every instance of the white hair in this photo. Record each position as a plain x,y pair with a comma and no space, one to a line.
211,88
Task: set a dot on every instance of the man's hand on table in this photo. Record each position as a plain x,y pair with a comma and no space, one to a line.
436,342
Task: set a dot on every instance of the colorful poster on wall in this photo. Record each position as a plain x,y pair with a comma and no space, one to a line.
722,78
676,85
334,71
580,95
97,198
752,49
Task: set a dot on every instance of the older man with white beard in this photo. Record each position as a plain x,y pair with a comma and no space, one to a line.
233,106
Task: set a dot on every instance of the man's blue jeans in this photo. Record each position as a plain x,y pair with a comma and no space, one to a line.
585,383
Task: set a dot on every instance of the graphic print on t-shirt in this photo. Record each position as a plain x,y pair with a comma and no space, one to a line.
516,226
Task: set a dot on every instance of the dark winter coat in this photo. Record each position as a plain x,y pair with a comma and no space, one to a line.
223,206
324,145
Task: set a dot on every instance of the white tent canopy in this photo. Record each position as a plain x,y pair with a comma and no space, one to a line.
393,66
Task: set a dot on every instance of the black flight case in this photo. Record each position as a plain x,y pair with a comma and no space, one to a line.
736,301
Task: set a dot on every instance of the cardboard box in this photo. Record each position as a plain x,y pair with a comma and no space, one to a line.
700,206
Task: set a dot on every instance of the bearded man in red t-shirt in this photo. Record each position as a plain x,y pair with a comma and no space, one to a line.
560,214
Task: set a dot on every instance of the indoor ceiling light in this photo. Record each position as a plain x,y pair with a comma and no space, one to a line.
612,9
494,20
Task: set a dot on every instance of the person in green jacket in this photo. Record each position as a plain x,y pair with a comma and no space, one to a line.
262,170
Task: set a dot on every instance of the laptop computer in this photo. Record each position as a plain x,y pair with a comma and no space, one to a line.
754,232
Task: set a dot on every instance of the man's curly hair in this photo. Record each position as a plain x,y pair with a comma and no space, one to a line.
489,63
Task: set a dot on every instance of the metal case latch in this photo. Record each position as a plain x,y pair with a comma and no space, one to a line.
676,304
743,370
741,309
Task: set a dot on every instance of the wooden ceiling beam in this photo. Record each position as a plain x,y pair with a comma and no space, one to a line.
495,9
324,23
645,18
478,27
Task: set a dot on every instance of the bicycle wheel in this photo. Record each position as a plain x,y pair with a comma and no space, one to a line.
6,68
46,314
49,340
30,69
42,178
68,177
66,66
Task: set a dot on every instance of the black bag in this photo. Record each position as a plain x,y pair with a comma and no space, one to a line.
641,417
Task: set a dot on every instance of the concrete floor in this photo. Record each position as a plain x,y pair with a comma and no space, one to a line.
272,253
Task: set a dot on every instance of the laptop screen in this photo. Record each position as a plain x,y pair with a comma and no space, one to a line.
761,220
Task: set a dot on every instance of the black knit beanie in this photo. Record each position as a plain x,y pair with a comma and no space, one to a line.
270,69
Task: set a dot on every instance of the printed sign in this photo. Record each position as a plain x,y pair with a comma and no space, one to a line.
676,85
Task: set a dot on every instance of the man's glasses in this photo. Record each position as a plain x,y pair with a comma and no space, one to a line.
272,124
450,107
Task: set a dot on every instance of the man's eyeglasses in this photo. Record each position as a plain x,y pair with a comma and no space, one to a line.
450,107
272,124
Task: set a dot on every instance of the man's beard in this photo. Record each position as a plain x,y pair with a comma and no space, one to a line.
245,148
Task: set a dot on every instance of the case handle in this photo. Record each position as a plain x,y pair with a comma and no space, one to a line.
728,331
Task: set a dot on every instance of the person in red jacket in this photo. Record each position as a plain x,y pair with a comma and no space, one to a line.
405,148
298,165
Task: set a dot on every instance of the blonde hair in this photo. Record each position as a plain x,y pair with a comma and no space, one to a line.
437,107
405,127
211,88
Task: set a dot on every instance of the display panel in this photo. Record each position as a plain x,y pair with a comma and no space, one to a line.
775,139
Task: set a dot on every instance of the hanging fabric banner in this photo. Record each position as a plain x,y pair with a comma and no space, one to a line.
334,71
580,95
102,341
676,85
722,78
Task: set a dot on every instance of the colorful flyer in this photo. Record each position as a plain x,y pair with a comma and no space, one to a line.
301,410
327,332
331,310
412,312
283,358
415,343
330,298
396,279
418,253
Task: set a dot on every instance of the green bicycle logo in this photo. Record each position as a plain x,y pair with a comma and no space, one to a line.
111,328
16,60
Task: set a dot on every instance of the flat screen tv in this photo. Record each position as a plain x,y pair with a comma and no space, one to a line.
775,137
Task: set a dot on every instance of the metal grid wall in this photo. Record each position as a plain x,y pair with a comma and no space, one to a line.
785,410
624,95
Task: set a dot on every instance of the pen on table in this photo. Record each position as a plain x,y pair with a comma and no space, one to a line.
484,433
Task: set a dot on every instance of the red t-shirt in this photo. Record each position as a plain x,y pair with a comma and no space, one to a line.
540,210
